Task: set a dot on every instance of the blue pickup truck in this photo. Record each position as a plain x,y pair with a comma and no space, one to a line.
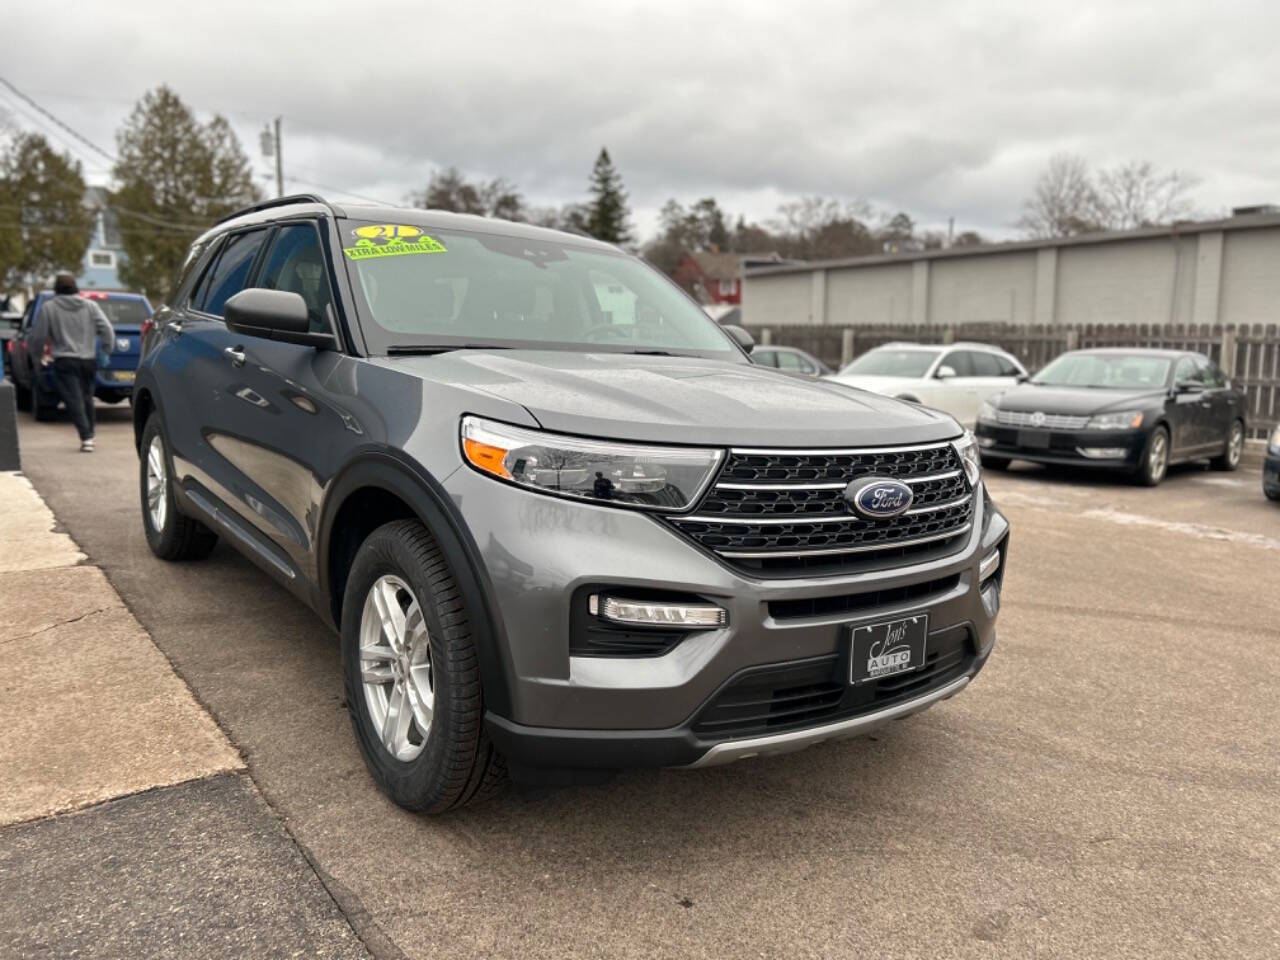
33,384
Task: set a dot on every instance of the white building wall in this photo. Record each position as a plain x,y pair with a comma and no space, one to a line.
1250,291
994,289
870,295
1125,282
778,300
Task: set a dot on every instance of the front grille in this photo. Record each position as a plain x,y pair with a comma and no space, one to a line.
782,697
869,600
783,512
1051,421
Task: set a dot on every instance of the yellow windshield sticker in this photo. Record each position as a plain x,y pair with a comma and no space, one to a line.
390,240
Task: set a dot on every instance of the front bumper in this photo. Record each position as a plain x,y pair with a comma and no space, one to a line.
1063,447
614,713
1271,474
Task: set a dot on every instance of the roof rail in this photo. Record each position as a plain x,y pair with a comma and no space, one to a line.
277,202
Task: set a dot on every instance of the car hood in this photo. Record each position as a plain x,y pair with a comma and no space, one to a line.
1081,401
680,399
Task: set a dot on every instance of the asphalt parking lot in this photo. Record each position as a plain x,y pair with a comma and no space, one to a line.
1106,788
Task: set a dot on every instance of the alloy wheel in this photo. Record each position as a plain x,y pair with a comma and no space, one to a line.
1235,444
157,481
1158,457
395,667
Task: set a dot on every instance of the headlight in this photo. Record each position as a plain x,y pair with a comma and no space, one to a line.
987,411
1274,441
659,478
1120,420
967,448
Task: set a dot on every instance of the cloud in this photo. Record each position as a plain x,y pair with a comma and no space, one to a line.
939,110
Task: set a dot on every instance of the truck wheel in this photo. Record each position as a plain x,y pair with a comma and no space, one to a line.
170,534
1233,447
22,396
44,405
411,674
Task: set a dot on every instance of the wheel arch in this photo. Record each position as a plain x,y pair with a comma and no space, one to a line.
382,486
143,406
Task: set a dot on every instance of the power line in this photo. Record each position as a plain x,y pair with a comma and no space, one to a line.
43,128
83,139
345,193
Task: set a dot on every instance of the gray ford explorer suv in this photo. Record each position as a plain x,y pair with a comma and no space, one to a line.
562,524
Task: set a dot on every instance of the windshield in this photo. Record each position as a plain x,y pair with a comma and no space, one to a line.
1105,370
451,288
123,311
889,362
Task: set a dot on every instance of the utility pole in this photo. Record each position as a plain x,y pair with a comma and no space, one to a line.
279,162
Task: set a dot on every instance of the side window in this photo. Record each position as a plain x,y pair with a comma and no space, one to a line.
765,358
984,364
1007,367
295,263
958,360
1185,371
230,274
789,361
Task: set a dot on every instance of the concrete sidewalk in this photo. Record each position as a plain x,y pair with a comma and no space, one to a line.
127,825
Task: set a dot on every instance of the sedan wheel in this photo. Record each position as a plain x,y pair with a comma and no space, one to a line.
1233,448
1155,458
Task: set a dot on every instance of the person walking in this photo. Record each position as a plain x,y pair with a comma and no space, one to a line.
64,335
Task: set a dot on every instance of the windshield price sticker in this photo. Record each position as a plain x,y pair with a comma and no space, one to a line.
390,240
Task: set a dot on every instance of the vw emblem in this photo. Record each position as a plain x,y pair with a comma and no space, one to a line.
1037,419
878,497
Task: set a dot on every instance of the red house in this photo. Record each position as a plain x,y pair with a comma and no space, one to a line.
717,277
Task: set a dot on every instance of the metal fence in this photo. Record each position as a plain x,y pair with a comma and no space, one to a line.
1248,353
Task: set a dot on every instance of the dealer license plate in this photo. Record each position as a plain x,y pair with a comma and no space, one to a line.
883,649
123,376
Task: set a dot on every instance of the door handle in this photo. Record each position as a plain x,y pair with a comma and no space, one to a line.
236,354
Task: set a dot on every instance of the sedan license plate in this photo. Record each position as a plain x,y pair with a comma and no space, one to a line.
883,649
1034,438
123,376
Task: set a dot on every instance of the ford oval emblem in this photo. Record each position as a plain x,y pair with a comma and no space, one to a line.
878,497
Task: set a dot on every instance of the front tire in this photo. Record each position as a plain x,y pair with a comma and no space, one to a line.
1232,450
170,534
1155,458
412,676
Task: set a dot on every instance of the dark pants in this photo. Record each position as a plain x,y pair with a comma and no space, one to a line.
74,379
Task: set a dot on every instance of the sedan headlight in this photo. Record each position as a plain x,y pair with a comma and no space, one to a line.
1120,420
987,411
657,478
1273,443
967,448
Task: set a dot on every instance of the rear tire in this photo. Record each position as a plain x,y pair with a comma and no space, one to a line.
1155,458
44,406
1233,448
431,753
170,535
22,397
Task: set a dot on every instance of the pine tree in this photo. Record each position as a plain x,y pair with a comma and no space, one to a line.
607,213
177,177
44,224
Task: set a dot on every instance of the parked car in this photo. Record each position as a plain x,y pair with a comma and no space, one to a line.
790,360
955,379
33,383
1271,466
553,536
1118,409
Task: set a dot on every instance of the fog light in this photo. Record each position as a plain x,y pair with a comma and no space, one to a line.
655,614
1102,453
989,565
986,441
991,598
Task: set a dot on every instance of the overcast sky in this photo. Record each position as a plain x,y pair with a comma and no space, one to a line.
939,109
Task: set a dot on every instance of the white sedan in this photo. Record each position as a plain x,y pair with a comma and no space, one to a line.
955,379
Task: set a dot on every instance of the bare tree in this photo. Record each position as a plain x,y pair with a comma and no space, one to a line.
1136,194
1064,201
449,189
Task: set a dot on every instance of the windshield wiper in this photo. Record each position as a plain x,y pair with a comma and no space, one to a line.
430,349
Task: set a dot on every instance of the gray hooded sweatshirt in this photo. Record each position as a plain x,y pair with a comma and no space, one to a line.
71,324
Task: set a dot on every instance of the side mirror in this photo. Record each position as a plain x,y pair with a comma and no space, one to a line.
1188,386
740,336
945,372
273,315
1022,377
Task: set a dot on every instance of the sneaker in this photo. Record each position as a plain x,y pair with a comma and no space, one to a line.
86,446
